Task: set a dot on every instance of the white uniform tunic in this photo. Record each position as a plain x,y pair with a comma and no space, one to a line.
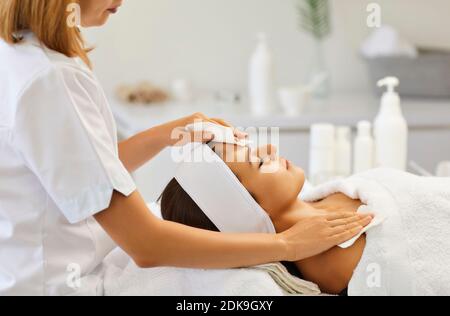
59,166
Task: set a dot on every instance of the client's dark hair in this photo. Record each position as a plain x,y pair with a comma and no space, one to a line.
177,206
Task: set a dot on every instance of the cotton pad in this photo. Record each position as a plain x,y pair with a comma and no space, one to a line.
219,194
378,220
222,134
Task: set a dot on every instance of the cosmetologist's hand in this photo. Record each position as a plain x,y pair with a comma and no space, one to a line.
315,235
180,137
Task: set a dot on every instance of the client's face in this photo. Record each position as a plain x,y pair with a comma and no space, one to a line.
273,181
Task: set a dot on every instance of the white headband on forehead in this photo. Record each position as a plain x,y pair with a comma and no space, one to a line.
219,194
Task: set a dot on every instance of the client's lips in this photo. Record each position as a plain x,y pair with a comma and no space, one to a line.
113,10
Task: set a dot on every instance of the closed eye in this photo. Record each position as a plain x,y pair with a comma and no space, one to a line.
251,160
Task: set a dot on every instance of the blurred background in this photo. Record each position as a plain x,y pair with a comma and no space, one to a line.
211,41
195,55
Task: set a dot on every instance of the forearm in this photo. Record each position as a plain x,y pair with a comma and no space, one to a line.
182,246
139,149
152,242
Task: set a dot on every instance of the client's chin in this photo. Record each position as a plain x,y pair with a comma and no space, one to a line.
299,174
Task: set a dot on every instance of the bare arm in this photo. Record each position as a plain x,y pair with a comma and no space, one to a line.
152,242
137,150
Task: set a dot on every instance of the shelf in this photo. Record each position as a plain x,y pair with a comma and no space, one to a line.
340,110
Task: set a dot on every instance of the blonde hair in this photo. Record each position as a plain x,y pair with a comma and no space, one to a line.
48,20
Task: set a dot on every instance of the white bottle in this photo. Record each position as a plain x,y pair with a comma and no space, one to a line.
262,82
391,129
343,152
322,153
364,154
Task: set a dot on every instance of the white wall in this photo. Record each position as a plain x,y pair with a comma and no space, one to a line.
210,41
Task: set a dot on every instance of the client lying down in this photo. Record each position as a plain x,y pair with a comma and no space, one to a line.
408,254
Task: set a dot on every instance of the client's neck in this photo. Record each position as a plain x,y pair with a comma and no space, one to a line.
293,214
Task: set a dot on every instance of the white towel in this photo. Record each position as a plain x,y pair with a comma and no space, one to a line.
265,280
344,186
409,253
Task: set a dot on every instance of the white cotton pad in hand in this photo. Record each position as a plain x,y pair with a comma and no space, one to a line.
379,219
222,134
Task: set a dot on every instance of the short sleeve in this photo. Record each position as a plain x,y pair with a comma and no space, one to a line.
62,134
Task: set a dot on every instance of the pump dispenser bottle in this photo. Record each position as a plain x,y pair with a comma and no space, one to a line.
322,153
262,81
391,129
364,153
343,152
